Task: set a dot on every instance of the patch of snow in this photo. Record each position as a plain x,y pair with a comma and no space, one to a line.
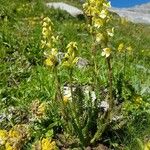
73,11
137,14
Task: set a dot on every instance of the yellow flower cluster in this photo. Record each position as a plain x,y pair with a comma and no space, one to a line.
99,15
52,59
106,52
14,138
3,137
45,144
49,42
147,146
70,58
65,99
122,48
38,110
48,39
138,100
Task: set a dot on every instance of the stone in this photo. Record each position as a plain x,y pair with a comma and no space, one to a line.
82,63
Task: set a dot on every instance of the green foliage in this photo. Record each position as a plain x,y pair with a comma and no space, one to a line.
32,94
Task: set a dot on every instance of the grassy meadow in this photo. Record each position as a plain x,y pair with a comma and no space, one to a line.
33,116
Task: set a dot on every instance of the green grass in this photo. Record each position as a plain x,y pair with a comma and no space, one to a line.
24,77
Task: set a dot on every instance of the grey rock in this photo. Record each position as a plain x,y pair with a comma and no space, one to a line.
82,63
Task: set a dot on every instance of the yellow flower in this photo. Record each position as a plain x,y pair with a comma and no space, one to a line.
47,144
129,48
100,37
106,52
43,43
3,137
44,24
49,62
65,99
70,57
9,147
110,32
120,47
41,109
49,44
45,33
48,20
72,45
103,14
14,134
138,100
52,61
147,146
98,22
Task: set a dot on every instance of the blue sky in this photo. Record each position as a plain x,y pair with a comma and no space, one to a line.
127,3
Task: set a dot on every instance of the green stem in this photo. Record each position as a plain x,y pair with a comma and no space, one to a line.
125,58
58,87
70,81
110,78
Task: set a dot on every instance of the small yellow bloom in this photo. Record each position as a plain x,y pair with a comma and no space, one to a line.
110,32
41,109
14,134
103,14
44,24
70,58
52,61
72,45
66,99
49,44
9,147
129,48
45,33
47,144
147,146
120,47
106,52
138,100
3,137
100,37
49,62
98,22
43,43
48,20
